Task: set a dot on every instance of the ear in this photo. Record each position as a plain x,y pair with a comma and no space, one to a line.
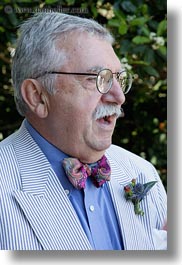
35,98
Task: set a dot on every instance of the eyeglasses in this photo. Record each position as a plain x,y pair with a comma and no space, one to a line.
104,79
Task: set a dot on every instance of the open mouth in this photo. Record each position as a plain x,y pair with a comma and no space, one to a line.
107,119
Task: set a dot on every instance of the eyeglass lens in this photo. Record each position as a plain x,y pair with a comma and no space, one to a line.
125,81
105,80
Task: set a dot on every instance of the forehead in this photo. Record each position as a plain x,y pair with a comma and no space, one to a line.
88,52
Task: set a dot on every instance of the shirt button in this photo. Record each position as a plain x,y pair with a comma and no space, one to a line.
67,192
91,208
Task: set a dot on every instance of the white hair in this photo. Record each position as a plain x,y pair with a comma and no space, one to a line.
107,110
37,52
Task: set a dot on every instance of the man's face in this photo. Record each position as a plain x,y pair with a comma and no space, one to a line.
72,107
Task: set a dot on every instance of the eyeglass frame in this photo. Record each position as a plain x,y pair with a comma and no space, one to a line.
93,74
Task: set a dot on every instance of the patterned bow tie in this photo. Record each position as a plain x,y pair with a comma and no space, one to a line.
78,172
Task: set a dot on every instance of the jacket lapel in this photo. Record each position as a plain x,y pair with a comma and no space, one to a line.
43,200
132,226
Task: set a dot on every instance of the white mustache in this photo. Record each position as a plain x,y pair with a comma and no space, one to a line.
107,110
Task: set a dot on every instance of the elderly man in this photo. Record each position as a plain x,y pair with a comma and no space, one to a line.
64,186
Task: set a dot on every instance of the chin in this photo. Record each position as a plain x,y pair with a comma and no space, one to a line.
95,151
102,145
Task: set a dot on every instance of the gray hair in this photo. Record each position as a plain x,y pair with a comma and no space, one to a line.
37,52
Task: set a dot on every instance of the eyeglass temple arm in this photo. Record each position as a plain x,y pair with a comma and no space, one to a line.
66,73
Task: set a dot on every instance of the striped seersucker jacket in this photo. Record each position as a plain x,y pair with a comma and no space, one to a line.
36,214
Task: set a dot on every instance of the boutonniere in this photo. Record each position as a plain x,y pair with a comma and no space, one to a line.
135,192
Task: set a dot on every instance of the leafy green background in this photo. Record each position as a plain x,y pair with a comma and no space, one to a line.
140,30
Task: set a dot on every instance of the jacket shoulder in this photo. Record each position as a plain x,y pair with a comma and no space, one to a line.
8,141
131,164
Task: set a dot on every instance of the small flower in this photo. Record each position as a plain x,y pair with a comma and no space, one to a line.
135,192
125,64
158,40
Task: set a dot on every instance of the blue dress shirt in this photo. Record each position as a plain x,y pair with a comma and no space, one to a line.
93,205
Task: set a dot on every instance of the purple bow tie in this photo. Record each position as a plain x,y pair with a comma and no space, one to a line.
78,172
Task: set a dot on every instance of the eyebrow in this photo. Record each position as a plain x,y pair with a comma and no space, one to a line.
99,68
95,69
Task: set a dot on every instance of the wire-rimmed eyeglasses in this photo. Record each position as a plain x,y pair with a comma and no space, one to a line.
104,79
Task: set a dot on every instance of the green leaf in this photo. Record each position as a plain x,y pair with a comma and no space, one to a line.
163,50
94,11
125,46
158,85
144,9
149,185
151,71
153,24
162,28
118,12
139,63
141,40
162,138
139,21
119,23
149,55
70,2
2,29
139,49
114,22
128,6
49,2
123,28
145,31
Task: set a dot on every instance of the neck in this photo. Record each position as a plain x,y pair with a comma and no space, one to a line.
85,154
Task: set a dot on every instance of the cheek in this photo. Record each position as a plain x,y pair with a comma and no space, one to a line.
75,106
73,115
80,119
82,107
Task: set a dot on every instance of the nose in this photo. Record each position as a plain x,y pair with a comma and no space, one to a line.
115,94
